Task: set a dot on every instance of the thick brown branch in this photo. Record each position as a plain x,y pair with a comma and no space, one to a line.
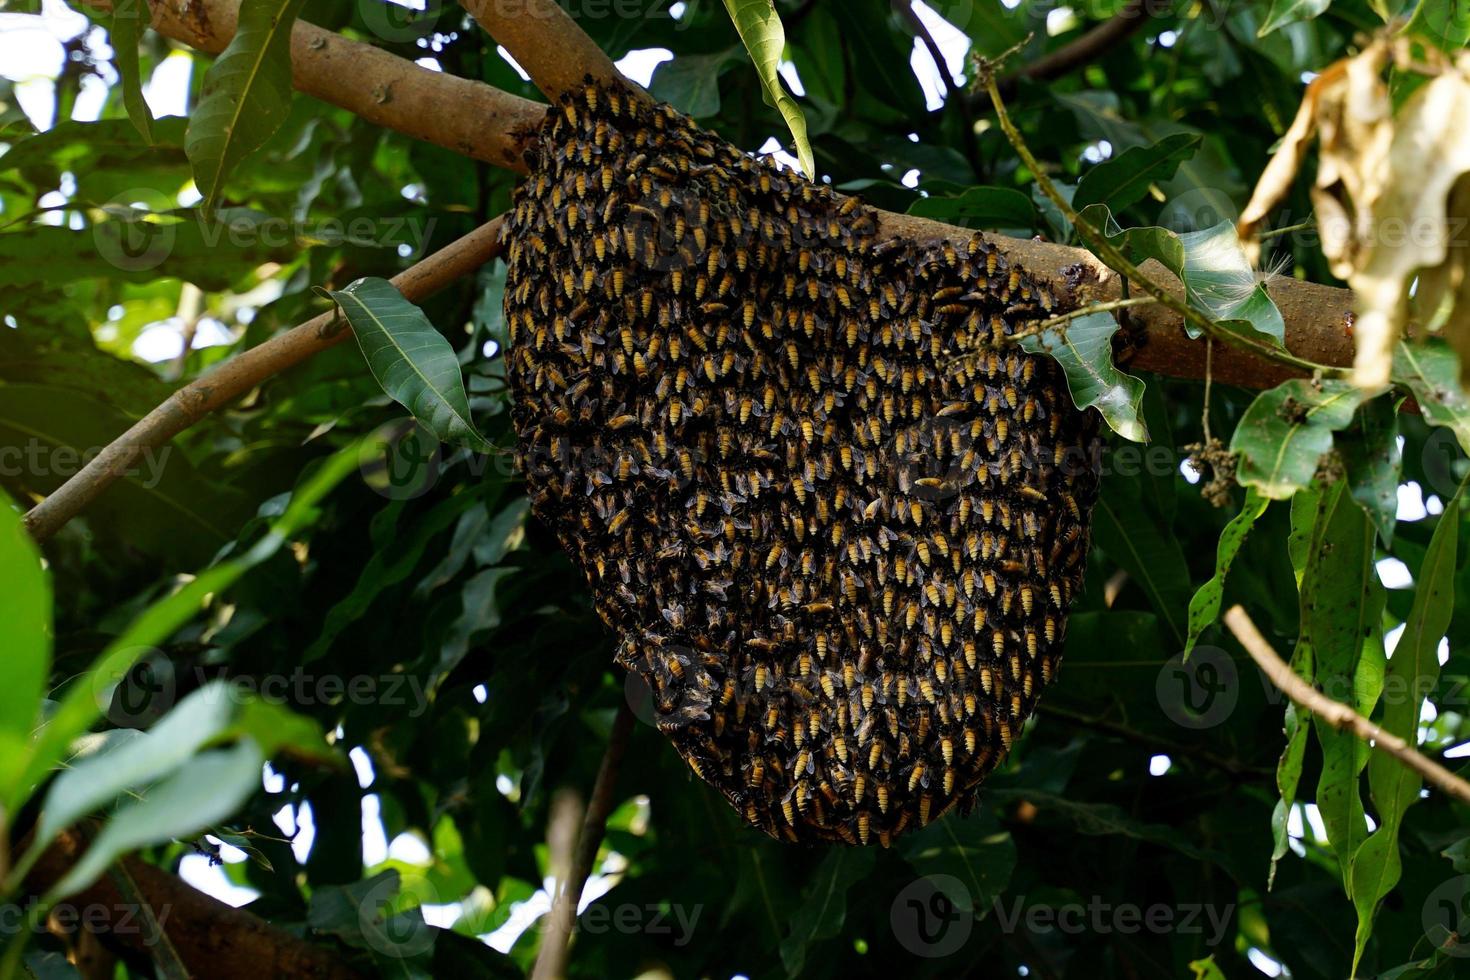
239,374
1337,714
546,42
211,938
460,115
551,960
1318,318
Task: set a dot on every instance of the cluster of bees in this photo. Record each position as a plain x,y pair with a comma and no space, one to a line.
835,519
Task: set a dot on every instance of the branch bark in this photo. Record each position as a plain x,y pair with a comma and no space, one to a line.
211,938
551,960
1337,714
547,43
239,374
558,54
470,118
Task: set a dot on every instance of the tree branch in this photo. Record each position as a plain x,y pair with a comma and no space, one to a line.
1074,54
1336,714
211,938
468,117
1318,318
551,960
244,371
546,42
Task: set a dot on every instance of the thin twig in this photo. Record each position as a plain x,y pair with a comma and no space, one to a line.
1232,766
239,374
1335,713
551,960
1085,49
1116,259
1081,311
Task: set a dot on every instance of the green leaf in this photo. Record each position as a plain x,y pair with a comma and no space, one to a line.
1285,12
976,849
412,361
1412,671
1204,607
129,17
1134,538
760,30
211,788
824,905
1441,22
246,94
1219,280
1309,510
1126,178
1083,347
139,247
25,622
84,700
1341,605
207,716
1371,455
979,207
1431,372
691,82
1282,436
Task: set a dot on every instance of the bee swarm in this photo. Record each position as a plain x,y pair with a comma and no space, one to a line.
834,518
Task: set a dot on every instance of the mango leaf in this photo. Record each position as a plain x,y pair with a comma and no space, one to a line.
1308,522
1083,347
760,30
246,94
138,247
1340,613
25,622
84,700
212,787
824,906
979,207
1285,12
411,360
1412,670
976,849
129,17
1204,607
1134,537
1371,455
691,82
1431,372
1442,22
1283,435
1218,277
1125,179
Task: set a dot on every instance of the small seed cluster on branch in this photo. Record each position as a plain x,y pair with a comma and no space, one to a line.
835,519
